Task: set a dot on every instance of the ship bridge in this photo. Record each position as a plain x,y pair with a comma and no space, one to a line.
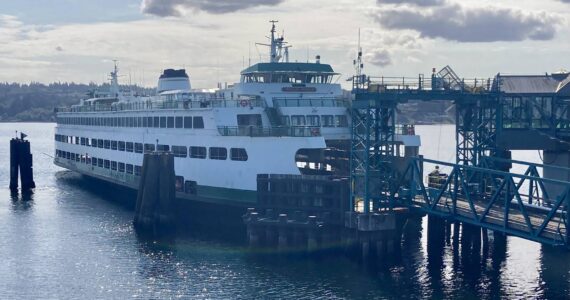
287,72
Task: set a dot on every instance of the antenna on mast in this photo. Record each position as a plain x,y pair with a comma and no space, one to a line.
358,80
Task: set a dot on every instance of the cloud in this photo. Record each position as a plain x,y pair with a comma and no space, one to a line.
178,8
378,57
423,3
484,24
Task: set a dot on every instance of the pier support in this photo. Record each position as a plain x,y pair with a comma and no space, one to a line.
155,208
21,164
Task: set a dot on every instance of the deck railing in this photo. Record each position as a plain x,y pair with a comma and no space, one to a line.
310,102
258,131
149,105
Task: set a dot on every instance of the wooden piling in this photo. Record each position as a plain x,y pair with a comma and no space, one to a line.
14,175
155,208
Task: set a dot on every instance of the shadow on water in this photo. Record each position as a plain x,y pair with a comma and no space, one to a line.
554,272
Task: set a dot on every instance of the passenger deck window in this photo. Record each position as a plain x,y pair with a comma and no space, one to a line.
138,170
218,153
138,148
156,123
187,122
162,122
198,122
341,121
178,122
107,164
113,145
198,152
298,120
107,144
148,147
163,148
130,147
313,120
170,122
180,151
129,169
100,143
121,167
327,120
238,154
114,165
121,146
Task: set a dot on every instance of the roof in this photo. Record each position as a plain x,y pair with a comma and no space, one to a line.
171,73
289,67
535,84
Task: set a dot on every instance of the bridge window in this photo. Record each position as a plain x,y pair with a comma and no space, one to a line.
218,153
198,152
238,154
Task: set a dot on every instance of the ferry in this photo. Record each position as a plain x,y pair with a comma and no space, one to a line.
281,117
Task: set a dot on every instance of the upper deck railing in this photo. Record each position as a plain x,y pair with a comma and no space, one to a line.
310,102
161,104
277,131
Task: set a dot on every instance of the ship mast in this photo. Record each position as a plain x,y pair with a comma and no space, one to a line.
277,48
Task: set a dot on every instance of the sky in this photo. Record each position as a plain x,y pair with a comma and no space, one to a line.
77,40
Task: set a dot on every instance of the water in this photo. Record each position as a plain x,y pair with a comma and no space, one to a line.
72,241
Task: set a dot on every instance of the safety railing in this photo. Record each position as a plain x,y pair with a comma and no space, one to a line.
258,131
310,102
160,104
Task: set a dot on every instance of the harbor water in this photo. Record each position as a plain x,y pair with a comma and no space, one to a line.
72,239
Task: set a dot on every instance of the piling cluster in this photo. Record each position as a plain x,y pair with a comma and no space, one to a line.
155,208
21,165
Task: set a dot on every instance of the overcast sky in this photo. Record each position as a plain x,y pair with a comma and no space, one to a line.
76,40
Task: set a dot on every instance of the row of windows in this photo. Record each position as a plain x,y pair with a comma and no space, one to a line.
145,122
316,120
99,162
216,153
